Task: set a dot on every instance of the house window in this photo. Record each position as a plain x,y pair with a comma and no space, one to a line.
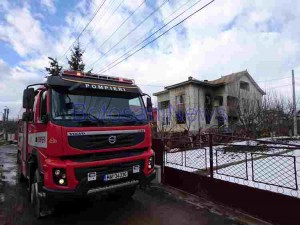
218,101
208,108
232,106
232,101
180,109
244,86
165,112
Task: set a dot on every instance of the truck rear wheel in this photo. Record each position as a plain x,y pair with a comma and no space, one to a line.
20,176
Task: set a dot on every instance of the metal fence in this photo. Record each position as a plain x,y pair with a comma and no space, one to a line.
260,177
277,170
196,159
232,164
263,164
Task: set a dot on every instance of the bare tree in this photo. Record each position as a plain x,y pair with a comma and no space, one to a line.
277,114
246,107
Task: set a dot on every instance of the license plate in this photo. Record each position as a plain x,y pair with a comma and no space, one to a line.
116,176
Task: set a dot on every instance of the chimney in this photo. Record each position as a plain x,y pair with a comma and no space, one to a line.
190,78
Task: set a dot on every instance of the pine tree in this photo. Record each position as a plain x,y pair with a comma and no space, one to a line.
75,62
55,68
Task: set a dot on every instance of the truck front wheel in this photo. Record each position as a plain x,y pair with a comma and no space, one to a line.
39,206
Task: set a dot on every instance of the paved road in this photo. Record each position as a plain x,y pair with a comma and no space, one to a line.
151,207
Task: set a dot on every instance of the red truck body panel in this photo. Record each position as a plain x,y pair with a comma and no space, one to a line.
50,144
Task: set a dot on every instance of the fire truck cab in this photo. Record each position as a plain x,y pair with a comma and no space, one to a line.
83,134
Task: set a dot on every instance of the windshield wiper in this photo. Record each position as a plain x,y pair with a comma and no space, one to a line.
126,115
96,119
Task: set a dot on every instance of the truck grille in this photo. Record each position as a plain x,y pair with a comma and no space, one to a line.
106,155
101,141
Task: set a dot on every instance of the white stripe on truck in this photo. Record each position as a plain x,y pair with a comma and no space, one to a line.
38,139
83,133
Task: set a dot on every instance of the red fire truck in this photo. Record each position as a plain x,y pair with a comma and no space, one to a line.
83,134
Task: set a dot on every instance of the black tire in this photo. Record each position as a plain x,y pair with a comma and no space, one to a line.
35,199
20,176
123,194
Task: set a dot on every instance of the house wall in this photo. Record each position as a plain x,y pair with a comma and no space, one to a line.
184,90
194,98
216,109
233,89
161,98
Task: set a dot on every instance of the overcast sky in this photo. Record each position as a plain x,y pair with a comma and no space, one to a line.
262,36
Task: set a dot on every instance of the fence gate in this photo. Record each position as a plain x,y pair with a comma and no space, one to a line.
259,177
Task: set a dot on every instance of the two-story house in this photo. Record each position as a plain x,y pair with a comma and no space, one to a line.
193,104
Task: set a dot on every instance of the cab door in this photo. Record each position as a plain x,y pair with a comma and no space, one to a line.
37,131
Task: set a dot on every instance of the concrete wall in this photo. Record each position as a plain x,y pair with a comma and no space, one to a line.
195,103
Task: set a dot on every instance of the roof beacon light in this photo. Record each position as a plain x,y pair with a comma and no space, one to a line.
97,76
79,74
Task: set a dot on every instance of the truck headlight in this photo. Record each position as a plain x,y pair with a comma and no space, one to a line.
151,163
60,176
57,172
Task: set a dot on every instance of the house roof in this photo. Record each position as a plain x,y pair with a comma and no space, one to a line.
228,78
189,81
160,92
234,76
214,83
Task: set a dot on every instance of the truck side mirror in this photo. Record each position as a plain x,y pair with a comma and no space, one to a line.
27,116
24,116
149,108
28,98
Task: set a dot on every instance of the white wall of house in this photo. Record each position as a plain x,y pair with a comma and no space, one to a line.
194,100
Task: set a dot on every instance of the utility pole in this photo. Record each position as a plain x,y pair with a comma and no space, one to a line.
5,119
294,105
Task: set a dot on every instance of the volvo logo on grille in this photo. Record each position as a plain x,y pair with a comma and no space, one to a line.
112,139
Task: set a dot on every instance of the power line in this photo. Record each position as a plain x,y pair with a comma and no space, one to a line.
104,12
262,81
85,27
124,37
150,29
279,86
158,29
105,22
180,22
144,37
131,14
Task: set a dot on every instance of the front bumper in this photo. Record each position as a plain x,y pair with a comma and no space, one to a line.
84,188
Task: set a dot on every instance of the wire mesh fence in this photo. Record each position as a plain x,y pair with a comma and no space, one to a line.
175,158
196,159
263,164
232,164
277,170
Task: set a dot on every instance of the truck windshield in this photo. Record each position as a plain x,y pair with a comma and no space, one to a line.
94,108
